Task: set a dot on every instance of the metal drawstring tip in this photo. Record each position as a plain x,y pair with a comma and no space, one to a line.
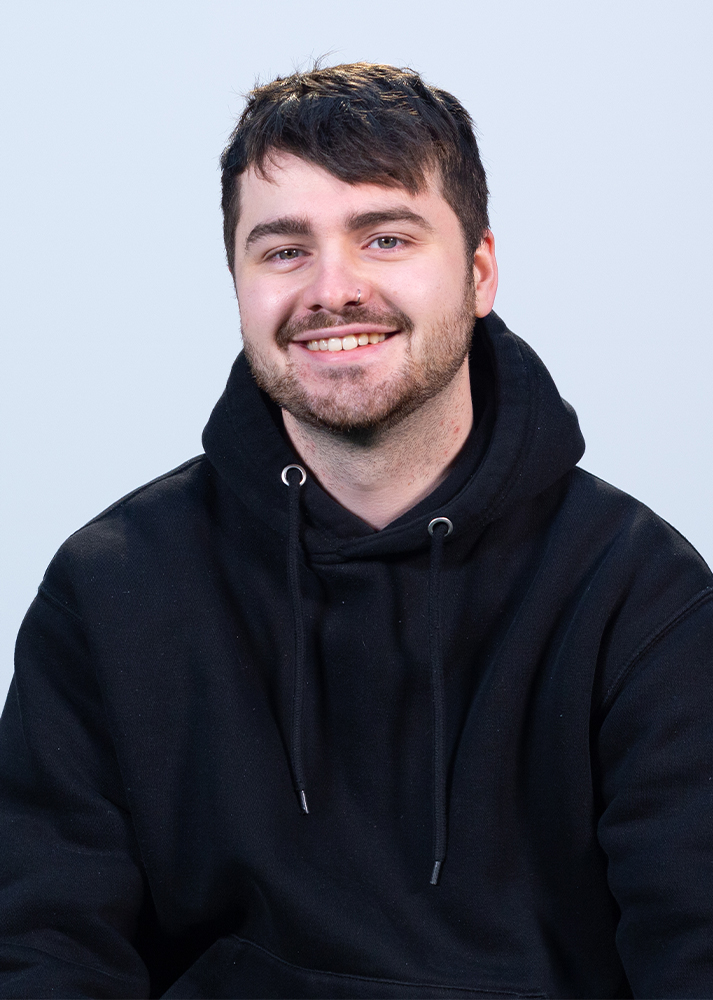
303,802
436,872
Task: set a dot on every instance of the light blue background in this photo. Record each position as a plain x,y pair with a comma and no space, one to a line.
118,316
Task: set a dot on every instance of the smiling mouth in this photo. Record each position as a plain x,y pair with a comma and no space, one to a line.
348,343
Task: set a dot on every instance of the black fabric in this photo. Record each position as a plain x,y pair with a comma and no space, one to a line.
151,836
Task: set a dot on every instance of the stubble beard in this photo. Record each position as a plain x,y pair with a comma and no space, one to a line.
351,404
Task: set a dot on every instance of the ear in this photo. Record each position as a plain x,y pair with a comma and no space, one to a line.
485,275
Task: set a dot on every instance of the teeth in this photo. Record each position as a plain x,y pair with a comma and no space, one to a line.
347,343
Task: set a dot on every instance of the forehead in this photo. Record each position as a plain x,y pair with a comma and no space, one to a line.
295,187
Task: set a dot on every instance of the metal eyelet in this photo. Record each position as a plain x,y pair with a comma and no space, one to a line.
303,480
440,520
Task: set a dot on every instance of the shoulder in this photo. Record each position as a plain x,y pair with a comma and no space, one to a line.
643,583
622,527
138,533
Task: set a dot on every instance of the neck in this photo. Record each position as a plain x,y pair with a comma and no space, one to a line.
382,479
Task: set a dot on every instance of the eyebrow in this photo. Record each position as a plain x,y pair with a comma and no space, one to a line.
364,220
290,225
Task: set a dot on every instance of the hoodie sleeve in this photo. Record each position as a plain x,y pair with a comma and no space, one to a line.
71,885
656,755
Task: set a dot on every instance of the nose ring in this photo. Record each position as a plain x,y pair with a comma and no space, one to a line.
358,298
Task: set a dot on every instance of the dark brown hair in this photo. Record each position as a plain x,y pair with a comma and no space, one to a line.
362,122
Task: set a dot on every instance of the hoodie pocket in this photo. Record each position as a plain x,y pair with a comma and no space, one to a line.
238,969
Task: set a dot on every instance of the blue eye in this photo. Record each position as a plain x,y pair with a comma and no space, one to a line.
387,242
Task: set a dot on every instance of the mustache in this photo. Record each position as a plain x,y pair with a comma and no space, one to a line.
394,319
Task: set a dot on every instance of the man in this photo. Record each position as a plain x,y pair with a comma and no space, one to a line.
381,696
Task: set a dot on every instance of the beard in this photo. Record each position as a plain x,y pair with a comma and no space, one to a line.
352,402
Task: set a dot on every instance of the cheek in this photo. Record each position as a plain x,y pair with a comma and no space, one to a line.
409,289
429,292
263,306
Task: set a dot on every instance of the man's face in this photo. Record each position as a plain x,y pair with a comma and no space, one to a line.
357,302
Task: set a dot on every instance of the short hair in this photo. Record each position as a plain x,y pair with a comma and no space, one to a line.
363,123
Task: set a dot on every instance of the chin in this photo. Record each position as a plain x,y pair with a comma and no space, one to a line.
360,404
359,415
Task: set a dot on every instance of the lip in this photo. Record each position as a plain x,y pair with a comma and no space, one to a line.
342,331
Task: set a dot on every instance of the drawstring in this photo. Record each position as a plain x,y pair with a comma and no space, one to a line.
445,527
437,683
293,484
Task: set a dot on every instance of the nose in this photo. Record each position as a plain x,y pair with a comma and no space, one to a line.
334,284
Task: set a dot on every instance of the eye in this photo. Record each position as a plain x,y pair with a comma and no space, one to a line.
386,242
289,253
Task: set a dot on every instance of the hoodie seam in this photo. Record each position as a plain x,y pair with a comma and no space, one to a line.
74,965
57,603
398,982
697,601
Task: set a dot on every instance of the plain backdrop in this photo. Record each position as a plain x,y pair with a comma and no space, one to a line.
118,317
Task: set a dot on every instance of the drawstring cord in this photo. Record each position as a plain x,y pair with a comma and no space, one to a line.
439,529
445,527
294,483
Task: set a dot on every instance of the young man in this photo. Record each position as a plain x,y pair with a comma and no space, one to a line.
381,696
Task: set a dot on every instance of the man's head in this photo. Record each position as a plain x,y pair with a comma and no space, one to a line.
355,206
363,123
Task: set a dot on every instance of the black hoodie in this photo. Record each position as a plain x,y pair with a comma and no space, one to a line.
527,701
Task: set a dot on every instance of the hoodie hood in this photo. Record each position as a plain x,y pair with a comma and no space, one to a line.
533,438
